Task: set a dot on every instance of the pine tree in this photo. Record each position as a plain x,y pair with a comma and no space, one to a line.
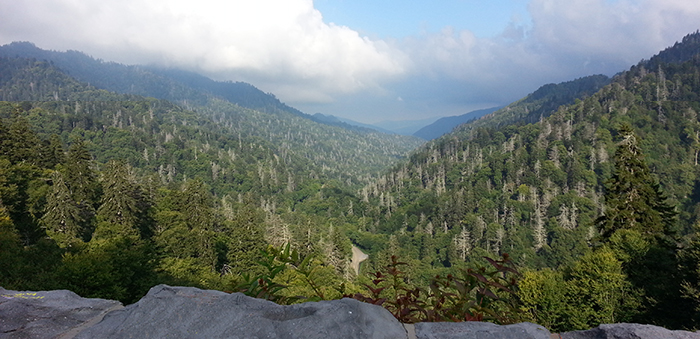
195,204
62,216
19,142
80,176
53,152
639,226
633,198
119,213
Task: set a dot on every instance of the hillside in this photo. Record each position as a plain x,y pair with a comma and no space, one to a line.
345,152
521,185
590,186
533,182
194,192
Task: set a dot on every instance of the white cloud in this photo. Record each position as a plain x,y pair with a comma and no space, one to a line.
622,30
282,46
566,40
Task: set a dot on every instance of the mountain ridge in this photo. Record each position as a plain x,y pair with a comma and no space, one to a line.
446,124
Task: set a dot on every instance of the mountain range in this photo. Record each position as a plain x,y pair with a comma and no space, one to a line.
198,177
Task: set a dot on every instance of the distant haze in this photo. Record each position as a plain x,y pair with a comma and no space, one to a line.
446,58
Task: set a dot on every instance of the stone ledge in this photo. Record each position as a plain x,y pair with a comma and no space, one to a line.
187,312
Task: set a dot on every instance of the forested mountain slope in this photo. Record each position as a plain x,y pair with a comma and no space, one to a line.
595,201
193,195
539,104
535,189
343,151
553,189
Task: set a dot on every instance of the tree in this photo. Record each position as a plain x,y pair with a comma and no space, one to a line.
639,225
195,204
10,250
20,143
633,198
81,177
598,291
119,212
62,216
543,296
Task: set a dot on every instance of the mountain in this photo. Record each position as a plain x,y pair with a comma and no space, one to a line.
529,179
447,124
589,187
108,193
540,104
404,127
336,147
331,119
175,85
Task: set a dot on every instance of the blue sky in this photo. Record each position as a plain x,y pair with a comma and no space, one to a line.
398,19
365,60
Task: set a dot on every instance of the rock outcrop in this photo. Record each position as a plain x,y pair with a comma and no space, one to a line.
187,312
50,314
474,329
631,331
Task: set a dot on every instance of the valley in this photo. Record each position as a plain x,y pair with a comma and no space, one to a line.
116,178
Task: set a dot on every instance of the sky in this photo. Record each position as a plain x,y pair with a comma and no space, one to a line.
368,61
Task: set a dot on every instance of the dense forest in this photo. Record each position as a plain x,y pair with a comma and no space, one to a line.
589,186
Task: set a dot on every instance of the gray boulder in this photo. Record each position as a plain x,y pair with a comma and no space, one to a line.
187,312
480,330
629,331
49,314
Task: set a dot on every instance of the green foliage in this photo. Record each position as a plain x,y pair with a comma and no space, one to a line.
62,217
119,268
543,297
593,290
475,295
11,253
633,199
275,262
598,291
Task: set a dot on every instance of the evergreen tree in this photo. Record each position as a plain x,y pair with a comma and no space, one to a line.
80,175
10,250
62,216
20,143
195,204
53,153
639,225
119,212
689,259
633,198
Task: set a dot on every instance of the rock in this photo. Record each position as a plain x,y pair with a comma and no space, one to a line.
629,331
480,330
187,312
51,314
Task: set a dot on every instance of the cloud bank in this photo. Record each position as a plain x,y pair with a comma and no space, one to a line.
285,47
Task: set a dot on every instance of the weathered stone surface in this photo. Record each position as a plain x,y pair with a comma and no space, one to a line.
186,312
629,331
50,314
480,330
